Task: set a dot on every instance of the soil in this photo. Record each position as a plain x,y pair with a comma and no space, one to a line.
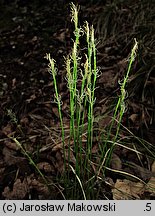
28,114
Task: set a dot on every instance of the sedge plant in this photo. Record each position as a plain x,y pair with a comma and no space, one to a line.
81,103
78,179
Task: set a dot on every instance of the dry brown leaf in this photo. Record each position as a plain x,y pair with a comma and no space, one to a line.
153,167
55,111
11,158
116,162
126,189
104,122
46,167
150,187
139,171
136,108
7,130
11,145
41,188
20,189
108,79
133,117
24,121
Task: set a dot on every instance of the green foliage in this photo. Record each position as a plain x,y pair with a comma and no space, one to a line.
82,105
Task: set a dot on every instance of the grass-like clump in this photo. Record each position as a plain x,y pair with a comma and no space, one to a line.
79,178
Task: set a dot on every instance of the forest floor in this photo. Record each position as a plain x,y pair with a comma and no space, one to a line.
29,115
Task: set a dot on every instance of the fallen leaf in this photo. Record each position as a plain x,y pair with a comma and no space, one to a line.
133,117
24,121
153,167
150,187
7,130
127,190
108,79
11,145
46,167
139,171
41,188
11,158
115,162
20,189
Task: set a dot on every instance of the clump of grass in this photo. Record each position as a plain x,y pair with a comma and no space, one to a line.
81,100
82,111
79,179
